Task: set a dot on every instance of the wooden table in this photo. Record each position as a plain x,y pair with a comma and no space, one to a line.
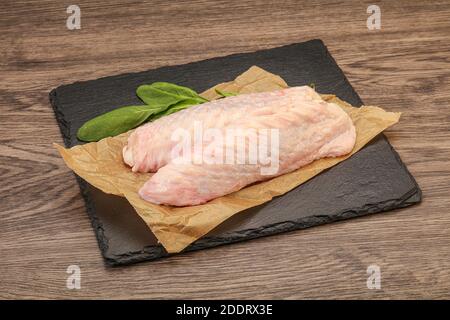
404,67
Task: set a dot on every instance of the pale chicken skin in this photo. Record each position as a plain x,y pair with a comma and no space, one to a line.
308,129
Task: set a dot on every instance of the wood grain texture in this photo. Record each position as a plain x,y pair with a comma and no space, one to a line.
405,67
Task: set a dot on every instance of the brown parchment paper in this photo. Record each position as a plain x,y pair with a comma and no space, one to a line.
100,164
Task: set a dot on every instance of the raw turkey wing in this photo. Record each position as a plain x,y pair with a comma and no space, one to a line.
308,128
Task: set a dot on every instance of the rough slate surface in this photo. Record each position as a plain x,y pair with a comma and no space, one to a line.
373,180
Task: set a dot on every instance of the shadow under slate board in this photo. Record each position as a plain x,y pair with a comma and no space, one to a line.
373,180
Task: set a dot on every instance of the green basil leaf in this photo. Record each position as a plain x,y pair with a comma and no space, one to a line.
114,122
174,108
225,93
162,98
161,95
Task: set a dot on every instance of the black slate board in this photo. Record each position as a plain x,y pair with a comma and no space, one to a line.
373,180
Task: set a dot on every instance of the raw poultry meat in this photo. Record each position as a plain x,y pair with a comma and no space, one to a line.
299,128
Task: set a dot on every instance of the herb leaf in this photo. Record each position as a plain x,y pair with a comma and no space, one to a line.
225,93
172,109
161,95
114,122
162,98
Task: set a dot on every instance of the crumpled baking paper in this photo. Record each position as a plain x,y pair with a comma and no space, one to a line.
100,164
